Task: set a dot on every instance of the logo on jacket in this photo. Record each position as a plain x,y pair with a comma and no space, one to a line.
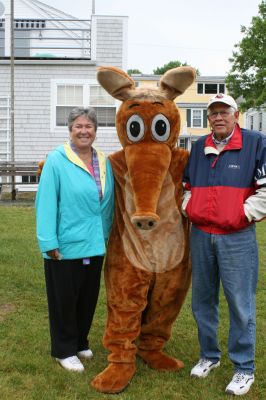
261,172
234,166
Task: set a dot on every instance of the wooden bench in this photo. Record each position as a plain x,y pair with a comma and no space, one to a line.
11,170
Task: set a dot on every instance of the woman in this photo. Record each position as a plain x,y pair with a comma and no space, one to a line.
74,207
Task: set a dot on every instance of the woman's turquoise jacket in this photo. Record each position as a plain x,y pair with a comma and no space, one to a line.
70,215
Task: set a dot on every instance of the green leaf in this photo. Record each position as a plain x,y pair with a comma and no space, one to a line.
247,76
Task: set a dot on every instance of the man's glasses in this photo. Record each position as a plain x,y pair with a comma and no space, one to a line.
223,114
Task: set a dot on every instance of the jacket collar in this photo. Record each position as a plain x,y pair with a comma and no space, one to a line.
235,143
74,158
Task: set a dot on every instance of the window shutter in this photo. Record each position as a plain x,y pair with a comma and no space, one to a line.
205,119
188,118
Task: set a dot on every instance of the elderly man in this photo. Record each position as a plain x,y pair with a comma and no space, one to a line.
225,193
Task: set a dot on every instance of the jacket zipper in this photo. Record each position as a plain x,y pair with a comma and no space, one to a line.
215,161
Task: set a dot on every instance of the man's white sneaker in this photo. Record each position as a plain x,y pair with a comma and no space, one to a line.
71,363
203,368
85,354
240,384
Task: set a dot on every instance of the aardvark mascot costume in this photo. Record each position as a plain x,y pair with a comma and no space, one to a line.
147,270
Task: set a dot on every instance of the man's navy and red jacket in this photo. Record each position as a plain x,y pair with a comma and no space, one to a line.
220,183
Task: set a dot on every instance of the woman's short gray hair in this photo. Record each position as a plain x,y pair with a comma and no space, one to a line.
87,112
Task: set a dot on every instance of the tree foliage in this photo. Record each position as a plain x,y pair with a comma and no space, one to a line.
170,65
166,67
133,71
247,77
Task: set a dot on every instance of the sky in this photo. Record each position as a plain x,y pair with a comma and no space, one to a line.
201,33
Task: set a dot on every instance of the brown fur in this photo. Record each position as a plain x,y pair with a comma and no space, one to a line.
147,271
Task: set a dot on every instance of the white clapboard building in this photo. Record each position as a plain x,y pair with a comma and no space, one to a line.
55,60
256,118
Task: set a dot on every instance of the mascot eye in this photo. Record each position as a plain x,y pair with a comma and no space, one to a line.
135,128
160,128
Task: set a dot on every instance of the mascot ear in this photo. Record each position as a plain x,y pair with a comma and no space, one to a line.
116,82
175,81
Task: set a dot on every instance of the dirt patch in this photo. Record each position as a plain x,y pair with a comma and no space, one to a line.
6,309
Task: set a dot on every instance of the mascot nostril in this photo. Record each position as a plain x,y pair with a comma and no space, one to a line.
147,268
144,224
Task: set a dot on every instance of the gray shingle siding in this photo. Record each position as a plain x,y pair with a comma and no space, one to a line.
34,135
109,42
34,138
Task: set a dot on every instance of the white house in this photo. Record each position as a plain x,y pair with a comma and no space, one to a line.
56,57
256,119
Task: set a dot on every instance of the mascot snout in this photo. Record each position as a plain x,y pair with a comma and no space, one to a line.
145,222
147,164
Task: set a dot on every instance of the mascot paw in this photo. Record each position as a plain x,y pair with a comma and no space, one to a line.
160,361
114,378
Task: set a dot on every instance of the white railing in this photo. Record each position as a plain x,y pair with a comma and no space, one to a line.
68,38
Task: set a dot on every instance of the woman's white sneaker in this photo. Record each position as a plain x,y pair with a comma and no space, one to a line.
85,354
71,363
240,384
203,368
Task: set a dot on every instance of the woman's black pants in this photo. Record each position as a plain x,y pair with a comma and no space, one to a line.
72,293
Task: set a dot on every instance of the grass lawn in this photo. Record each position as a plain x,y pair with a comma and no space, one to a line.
27,372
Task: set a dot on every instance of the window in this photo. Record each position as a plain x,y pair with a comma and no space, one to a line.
103,104
251,122
79,94
197,118
183,143
260,121
210,88
68,97
29,179
200,88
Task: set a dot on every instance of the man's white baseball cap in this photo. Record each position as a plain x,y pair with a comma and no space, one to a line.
223,98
